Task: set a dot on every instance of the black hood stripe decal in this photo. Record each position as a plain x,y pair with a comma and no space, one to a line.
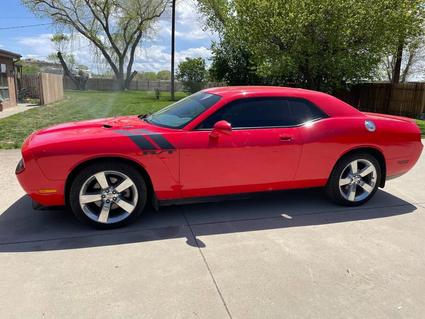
142,142
160,140
139,138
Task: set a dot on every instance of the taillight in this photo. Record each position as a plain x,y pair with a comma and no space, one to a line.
20,167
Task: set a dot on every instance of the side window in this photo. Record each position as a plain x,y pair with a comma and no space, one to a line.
302,111
4,86
258,112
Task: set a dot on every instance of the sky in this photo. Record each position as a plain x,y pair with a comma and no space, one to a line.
153,53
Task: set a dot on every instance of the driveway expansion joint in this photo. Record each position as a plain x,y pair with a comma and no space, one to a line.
207,265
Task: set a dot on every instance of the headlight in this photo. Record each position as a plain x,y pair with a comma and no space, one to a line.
20,167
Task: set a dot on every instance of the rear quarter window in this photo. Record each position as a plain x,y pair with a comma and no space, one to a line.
303,111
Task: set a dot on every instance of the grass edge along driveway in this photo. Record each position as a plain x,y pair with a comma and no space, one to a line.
78,106
421,124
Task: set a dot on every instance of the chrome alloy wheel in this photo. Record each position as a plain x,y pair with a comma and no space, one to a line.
358,180
108,197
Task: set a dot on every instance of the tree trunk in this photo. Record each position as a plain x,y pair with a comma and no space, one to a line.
406,71
390,69
397,65
79,81
120,75
120,81
128,80
123,80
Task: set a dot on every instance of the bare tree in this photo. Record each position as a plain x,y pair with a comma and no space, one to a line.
410,63
76,73
413,61
114,27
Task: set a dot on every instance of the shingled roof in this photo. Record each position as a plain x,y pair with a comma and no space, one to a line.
9,54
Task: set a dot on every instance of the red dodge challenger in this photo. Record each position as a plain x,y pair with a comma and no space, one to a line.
218,141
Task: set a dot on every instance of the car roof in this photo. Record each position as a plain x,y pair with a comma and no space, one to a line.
328,103
254,89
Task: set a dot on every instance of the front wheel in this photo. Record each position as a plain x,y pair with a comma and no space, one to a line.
108,195
354,180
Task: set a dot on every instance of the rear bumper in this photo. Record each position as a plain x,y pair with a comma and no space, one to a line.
400,165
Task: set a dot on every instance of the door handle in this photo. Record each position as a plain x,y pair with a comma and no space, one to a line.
285,138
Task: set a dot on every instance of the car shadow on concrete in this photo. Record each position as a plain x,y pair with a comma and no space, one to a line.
23,229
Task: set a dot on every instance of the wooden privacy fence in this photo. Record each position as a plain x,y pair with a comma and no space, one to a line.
47,87
31,84
101,84
51,88
406,99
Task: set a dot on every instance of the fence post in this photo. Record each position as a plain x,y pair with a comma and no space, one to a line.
422,102
389,96
40,88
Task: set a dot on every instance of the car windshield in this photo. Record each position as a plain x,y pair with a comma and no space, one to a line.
178,114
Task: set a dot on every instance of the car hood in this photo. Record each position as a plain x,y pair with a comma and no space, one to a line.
123,122
88,130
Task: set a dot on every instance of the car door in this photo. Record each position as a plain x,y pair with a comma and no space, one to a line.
260,153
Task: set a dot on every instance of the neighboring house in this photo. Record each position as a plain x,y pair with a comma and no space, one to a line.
8,83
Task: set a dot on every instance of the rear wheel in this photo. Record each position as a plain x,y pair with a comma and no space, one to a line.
108,195
354,180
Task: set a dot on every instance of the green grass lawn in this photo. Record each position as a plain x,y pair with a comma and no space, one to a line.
78,106
421,124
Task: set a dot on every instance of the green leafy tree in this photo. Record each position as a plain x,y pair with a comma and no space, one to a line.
29,68
318,44
114,27
149,76
409,37
233,64
164,75
193,74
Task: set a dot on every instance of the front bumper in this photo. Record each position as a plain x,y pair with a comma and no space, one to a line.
42,190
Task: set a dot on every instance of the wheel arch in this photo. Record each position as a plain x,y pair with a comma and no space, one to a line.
375,152
74,172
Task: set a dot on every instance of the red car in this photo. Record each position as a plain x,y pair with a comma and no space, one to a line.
216,142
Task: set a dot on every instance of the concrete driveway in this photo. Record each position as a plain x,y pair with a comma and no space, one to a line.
282,255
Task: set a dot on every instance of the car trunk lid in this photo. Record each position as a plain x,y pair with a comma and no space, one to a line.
388,116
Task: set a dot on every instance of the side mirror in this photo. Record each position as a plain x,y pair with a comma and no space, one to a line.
221,127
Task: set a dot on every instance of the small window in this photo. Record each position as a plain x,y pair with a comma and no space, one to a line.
4,85
303,111
264,112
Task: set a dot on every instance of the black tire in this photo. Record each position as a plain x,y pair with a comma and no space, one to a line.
88,172
333,190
